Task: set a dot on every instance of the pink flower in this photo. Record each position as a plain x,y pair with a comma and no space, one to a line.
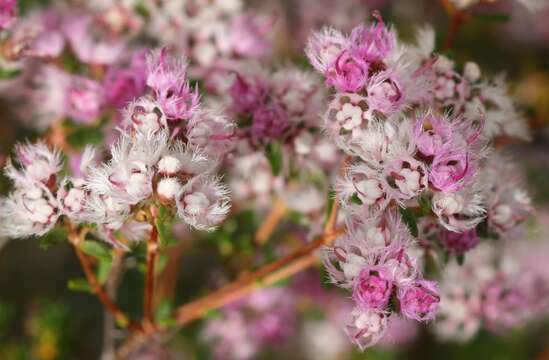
8,13
269,121
85,99
168,78
372,43
431,133
419,300
91,42
373,287
248,35
503,306
347,73
384,93
366,328
460,242
450,170
123,85
247,94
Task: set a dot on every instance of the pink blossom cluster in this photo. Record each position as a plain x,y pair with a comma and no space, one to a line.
416,133
376,263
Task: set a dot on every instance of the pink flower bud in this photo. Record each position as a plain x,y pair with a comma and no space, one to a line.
419,300
450,170
459,243
85,99
373,287
347,73
8,13
269,121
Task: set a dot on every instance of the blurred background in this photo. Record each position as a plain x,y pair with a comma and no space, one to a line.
41,318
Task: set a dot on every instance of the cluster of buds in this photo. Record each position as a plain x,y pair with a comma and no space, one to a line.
415,132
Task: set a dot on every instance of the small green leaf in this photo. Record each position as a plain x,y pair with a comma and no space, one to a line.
460,259
80,136
493,17
6,74
163,314
355,199
103,270
410,220
425,205
79,284
96,249
274,154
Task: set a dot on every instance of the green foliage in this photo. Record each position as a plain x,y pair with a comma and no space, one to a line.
53,237
82,135
274,154
79,284
410,220
96,249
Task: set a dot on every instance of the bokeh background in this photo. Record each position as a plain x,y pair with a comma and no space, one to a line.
41,318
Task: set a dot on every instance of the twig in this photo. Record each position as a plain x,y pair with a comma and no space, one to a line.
265,276
458,18
98,290
267,227
299,260
109,343
152,253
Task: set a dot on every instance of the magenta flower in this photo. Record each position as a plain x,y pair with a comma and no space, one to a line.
8,13
373,288
247,94
168,78
372,43
123,85
450,170
269,121
347,73
460,243
419,300
85,99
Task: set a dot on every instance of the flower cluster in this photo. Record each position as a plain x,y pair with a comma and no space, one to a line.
244,327
160,157
416,134
375,262
497,290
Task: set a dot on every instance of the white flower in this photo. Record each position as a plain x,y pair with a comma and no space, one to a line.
145,116
366,328
168,188
203,203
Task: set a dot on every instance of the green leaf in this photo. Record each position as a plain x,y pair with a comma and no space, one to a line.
163,314
274,154
103,270
460,259
53,237
96,249
6,74
425,205
355,199
410,220
79,284
80,136
493,17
